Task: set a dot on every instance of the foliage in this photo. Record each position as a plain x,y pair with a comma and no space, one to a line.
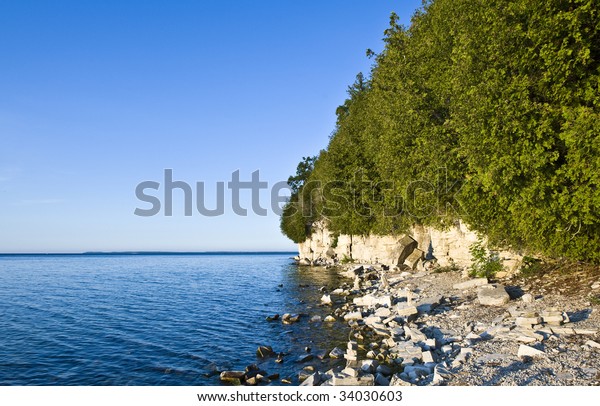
486,264
531,267
487,111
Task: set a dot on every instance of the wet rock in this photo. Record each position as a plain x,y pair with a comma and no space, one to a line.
472,283
316,319
326,299
304,358
272,318
493,296
329,319
264,351
232,377
290,318
286,380
336,353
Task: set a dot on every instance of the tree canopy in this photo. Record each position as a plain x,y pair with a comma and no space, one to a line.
487,111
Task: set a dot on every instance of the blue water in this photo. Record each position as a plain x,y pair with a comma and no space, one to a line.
154,319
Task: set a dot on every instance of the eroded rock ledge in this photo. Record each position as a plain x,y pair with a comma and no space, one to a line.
422,244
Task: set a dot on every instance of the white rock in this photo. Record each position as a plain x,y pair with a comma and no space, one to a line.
527,298
397,380
527,351
473,283
369,366
329,319
340,379
357,315
383,312
350,371
592,344
496,296
372,300
406,310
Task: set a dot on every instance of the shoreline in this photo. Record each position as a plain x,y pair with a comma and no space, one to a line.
427,328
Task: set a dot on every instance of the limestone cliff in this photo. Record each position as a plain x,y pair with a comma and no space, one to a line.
421,243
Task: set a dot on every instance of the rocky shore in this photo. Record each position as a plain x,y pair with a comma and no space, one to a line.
436,327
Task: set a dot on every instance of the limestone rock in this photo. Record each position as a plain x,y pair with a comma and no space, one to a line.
472,283
353,316
232,377
496,296
405,310
340,379
527,351
312,380
527,298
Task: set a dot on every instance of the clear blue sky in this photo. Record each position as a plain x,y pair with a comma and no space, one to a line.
97,96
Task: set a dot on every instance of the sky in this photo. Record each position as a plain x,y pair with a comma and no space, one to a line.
97,97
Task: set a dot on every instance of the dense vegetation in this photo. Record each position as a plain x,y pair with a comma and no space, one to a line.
483,110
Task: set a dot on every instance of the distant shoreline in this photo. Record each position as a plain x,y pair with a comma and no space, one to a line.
147,253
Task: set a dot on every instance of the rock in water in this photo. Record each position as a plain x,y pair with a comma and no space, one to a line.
264,351
232,377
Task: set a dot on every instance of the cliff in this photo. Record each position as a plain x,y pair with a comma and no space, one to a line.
446,247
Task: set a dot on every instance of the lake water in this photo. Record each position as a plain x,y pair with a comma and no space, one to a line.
155,319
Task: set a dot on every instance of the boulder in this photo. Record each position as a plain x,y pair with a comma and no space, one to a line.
232,377
406,310
264,351
493,296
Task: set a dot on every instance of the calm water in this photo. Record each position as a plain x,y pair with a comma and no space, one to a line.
155,319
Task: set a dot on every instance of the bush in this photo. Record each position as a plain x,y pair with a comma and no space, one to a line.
486,264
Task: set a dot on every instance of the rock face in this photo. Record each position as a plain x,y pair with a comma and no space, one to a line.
449,246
